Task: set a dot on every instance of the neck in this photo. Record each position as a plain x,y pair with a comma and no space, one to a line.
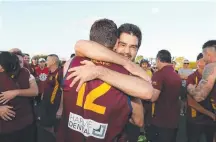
53,68
200,71
42,67
163,65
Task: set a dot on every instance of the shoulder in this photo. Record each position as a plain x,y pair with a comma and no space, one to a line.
60,71
25,70
157,75
76,61
210,65
193,74
24,74
209,68
111,66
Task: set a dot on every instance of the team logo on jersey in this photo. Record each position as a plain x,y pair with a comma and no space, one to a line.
50,78
42,77
87,127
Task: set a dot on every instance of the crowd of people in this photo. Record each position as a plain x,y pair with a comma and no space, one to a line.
102,95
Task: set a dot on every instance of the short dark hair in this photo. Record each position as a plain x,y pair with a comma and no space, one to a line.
53,55
72,55
131,29
144,61
164,56
10,63
209,44
25,54
200,56
56,56
104,31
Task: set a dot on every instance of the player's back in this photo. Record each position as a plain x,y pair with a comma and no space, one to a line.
98,112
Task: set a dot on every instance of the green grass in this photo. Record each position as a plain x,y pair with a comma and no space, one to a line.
142,139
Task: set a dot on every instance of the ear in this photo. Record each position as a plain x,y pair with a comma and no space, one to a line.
116,45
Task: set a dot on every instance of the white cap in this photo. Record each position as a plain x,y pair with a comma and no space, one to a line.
41,60
186,61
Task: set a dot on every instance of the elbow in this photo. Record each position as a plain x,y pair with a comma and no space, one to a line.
152,100
140,123
199,99
78,46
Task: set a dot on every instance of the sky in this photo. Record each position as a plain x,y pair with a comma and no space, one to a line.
39,27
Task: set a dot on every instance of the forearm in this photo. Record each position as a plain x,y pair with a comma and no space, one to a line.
61,103
133,86
96,51
200,92
137,117
30,92
197,106
27,92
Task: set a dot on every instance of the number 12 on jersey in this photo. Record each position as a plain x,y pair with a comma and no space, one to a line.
91,97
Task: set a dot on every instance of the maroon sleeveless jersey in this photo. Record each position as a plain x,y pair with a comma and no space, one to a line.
97,113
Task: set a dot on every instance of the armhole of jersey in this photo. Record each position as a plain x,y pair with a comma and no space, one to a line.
130,105
65,73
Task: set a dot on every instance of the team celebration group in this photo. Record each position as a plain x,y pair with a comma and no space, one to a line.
102,95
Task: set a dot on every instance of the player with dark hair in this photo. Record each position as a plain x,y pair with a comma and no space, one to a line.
206,87
109,36
167,89
198,114
51,99
127,46
131,29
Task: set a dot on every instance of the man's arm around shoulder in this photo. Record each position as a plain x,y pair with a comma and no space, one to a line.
134,86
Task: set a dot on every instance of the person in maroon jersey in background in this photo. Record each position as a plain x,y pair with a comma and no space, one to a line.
16,113
33,90
207,87
50,103
26,58
198,114
34,65
167,89
27,65
41,75
129,40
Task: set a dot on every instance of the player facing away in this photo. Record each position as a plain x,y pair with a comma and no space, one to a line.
98,112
